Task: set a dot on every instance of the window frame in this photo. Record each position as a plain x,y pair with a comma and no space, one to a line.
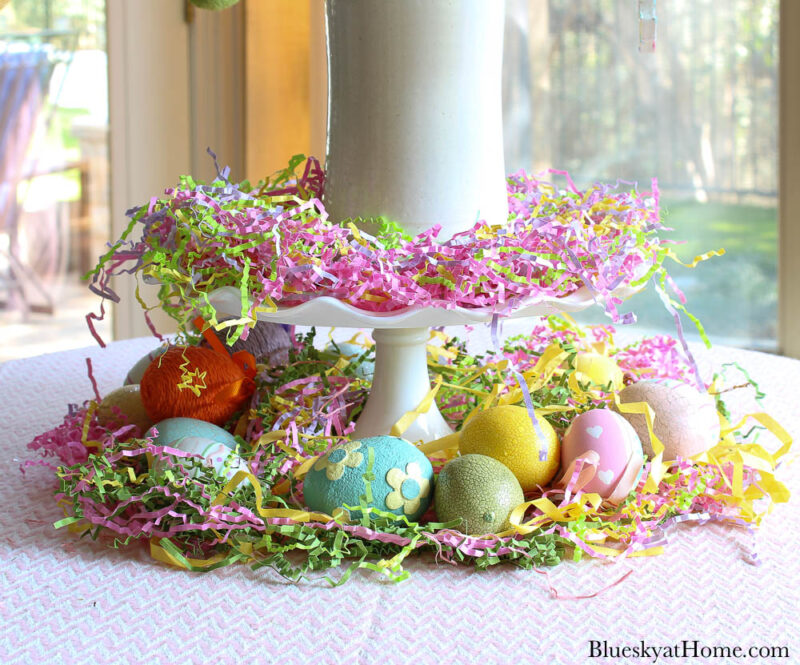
788,177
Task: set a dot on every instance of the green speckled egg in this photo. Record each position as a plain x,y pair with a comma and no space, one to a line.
478,489
388,472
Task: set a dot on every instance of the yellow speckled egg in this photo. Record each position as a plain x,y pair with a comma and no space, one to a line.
600,369
507,434
686,420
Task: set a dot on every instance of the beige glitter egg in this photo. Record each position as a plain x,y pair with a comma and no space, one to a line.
686,420
128,402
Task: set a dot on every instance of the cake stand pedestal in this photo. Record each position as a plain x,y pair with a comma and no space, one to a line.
399,385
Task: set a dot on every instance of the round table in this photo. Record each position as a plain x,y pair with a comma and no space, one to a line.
66,600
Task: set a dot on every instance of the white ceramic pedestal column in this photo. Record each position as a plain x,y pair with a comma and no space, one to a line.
415,125
400,383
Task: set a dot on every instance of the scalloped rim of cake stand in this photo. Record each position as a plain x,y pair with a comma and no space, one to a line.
401,379
329,311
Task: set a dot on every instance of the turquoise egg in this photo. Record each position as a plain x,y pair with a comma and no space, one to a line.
171,430
365,369
385,472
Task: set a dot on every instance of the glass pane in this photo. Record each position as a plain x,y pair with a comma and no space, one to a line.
700,114
53,171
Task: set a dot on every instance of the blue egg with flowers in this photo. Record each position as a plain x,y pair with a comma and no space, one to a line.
383,472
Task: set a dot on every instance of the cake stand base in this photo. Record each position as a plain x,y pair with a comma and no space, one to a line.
400,384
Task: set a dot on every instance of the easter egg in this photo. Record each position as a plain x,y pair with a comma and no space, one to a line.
398,475
216,454
195,382
365,369
480,491
124,406
599,369
507,434
686,420
614,440
136,372
268,342
172,430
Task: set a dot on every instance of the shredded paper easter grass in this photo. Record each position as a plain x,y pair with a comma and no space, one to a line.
273,243
121,487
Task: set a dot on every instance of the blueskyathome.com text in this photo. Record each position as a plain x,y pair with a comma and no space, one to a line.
683,650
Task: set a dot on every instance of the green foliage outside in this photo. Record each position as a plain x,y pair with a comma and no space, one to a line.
735,295
85,16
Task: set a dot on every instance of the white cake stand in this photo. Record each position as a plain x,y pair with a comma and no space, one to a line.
415,133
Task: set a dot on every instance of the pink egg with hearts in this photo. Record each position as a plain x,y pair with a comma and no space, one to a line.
619,451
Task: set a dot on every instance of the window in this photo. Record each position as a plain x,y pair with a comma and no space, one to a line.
54,211
700,114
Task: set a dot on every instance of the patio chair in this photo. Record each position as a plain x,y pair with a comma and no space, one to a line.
27,63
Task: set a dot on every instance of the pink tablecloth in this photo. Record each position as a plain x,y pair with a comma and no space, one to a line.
74,601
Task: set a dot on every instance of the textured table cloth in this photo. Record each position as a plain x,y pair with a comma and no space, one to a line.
66,600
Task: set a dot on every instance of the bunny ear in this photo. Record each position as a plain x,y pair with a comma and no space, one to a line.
580,471
627,481
211,339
